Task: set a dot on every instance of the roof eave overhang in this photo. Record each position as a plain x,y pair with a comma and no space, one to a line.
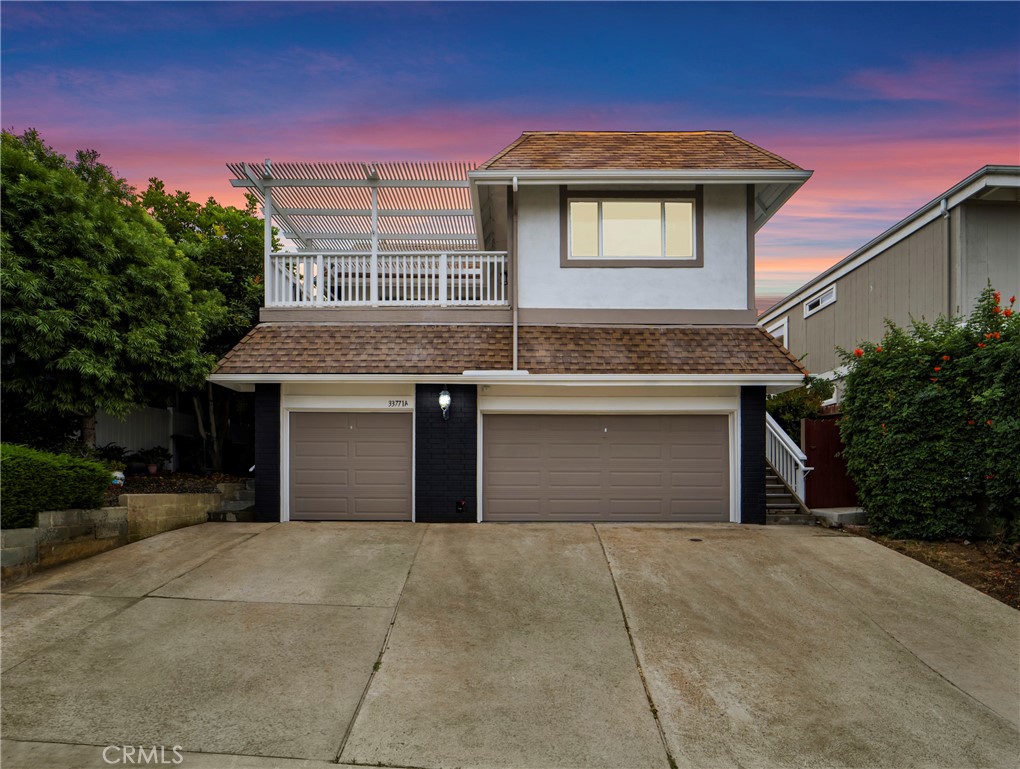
640,176
516,378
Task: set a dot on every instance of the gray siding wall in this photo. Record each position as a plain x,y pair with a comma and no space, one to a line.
908,280
990,233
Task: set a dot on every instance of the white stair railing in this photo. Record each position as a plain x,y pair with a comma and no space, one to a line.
785,456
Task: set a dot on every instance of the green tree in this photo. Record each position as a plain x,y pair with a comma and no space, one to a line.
97,309
791,406
225,251
931,424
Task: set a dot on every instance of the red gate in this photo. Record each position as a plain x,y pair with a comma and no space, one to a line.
828,484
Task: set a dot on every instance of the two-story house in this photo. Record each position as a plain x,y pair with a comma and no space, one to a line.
563,333
937,261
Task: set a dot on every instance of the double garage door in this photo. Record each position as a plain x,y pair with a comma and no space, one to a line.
357,466
606,468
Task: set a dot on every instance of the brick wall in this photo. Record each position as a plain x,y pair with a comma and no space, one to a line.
752,455
267,452
446,454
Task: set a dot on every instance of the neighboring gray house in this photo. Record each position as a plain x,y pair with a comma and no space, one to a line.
564,333
934,262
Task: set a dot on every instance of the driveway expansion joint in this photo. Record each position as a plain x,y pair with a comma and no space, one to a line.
633,648
382,651
212,555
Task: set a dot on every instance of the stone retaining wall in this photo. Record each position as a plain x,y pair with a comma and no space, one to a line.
151,514
69,535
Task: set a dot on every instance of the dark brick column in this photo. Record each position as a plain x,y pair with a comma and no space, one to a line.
446,455
752,455
267,452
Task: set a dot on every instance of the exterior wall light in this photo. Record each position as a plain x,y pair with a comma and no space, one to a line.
444,402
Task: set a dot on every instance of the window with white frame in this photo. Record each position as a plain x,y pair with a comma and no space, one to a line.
820,300
631,229
781,332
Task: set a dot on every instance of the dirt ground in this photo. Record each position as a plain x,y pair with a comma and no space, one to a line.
982,564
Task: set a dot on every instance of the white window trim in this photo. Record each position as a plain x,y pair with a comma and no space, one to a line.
823,304
783,327
662,224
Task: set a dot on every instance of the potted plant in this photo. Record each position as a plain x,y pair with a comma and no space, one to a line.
154,458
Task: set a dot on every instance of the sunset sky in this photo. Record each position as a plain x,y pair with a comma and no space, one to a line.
889,104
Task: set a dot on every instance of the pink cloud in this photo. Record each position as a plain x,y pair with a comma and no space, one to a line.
961,80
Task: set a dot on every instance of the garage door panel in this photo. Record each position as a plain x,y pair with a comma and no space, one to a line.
324,505
590,450
606,467
375,450
350,466
379,478
577,478
630,506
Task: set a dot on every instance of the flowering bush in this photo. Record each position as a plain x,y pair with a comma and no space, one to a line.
931,424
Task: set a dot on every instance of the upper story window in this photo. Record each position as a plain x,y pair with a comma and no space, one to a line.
631,229
820,300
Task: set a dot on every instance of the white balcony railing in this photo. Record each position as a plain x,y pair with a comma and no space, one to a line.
407,279
785,456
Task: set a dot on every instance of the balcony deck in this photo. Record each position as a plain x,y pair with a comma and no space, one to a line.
393,279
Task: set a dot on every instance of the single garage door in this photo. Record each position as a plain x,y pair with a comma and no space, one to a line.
606,468
350,466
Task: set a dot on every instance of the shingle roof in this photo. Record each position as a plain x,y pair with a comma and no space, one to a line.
325,348
652,350
638,150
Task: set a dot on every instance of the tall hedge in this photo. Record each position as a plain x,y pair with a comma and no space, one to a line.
33,481
931,423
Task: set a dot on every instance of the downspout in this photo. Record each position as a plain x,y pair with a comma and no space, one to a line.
515,264
951,279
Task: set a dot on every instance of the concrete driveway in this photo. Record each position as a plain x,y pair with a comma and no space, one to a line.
507,646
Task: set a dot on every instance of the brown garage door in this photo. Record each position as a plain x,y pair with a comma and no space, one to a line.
350,467
606,468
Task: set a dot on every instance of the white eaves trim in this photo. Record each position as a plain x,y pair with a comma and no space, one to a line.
516,379
639,176
988,176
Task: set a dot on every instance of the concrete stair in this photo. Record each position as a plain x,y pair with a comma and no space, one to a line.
238,503
781,506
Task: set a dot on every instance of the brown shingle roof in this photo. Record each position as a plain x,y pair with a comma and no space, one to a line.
652,350
622,150
324,348
333,348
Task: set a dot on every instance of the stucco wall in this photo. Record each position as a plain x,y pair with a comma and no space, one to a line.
720,284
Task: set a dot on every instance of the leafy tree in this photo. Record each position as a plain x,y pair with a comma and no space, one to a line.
791,406
97,310
225,251
224,246
931,424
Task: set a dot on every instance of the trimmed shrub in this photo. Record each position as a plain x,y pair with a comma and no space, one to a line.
32,481
931,424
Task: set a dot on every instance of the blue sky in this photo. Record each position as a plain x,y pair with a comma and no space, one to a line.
889,103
